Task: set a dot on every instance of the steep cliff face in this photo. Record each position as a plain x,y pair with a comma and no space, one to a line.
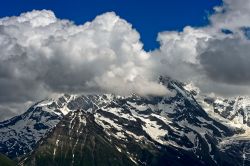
77,140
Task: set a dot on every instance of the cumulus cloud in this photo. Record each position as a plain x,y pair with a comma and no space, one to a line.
227,60
226,57
177,55
215,57
231,15
44,54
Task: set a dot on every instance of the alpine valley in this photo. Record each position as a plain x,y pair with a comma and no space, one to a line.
184,128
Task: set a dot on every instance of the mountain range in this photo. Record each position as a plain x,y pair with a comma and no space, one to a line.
185,127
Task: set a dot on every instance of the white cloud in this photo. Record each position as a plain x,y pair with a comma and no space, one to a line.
177,55
233,15
41,54
215,61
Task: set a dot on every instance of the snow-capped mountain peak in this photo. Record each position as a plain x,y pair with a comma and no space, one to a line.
57,105
149,129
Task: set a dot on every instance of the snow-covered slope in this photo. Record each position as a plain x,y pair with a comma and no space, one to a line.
20,134
234,111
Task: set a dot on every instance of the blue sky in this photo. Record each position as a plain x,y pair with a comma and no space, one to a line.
148,17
